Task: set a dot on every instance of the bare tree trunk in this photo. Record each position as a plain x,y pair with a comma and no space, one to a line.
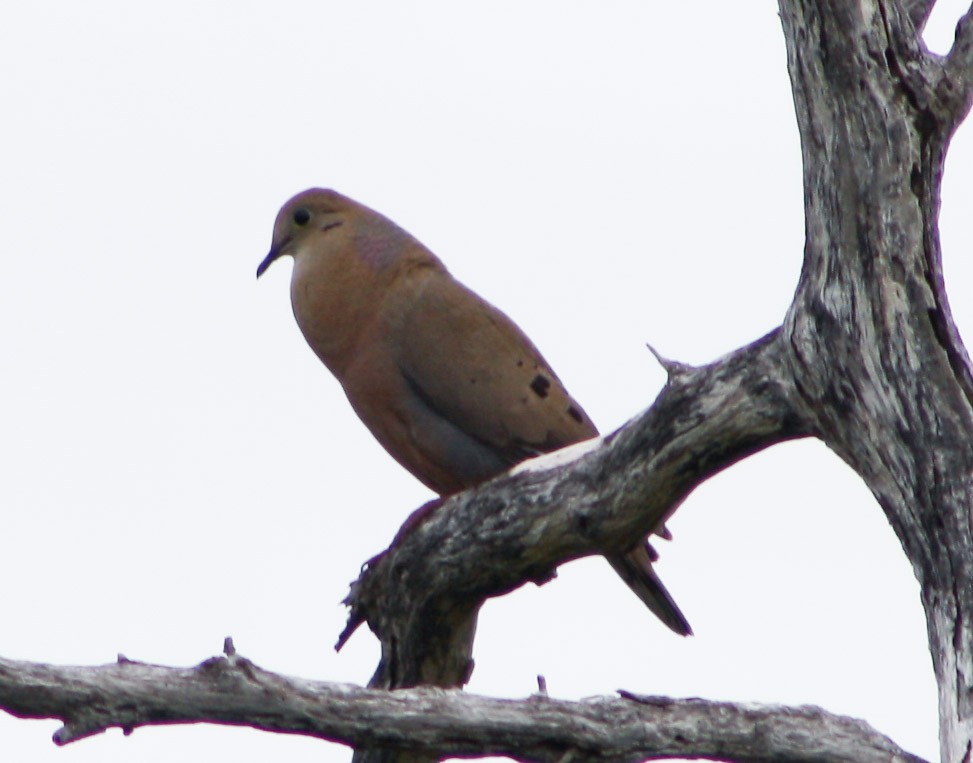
882,374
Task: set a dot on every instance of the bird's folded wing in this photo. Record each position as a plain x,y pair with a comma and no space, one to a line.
479,370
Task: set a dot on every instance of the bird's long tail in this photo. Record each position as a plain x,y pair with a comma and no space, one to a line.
635,568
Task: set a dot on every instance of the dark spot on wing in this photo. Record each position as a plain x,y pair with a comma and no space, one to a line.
575,414
520,364
540,385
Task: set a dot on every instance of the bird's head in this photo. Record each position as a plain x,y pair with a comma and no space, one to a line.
326,232
306,222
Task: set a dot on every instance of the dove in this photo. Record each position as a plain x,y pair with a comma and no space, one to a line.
445,381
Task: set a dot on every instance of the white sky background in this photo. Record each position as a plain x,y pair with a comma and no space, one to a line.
176,464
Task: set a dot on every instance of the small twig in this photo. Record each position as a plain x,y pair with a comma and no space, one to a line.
673,368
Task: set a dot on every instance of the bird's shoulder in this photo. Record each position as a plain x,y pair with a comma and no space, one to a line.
472,363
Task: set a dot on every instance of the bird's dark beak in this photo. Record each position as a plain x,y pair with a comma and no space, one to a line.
268,260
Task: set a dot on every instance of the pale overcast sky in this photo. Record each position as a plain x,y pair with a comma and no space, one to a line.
178,466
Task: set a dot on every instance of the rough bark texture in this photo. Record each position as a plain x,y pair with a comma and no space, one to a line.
882,374
433,722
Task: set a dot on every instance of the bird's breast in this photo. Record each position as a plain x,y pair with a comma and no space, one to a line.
332,307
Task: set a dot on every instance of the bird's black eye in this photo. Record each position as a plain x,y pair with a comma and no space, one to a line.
301,216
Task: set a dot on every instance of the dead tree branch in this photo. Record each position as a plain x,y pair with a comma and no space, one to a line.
421,597
231,690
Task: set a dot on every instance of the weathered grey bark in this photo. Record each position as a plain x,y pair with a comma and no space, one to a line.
918,11
232,690
868,359
882,374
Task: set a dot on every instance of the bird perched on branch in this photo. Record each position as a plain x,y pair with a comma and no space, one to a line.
447,383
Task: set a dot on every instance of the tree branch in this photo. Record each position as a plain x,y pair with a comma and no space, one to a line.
960,58
422,595
918,12
231,690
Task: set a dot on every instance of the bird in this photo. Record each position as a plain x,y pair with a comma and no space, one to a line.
448,384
